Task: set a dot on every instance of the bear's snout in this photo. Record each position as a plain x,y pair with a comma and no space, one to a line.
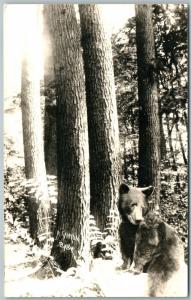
137,215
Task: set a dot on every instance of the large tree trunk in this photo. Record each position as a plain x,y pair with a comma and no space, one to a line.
102,114
149,129
72,224
33,134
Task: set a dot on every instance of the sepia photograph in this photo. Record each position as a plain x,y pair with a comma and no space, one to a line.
96,150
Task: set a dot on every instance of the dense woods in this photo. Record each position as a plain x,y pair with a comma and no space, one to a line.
173,101
107,111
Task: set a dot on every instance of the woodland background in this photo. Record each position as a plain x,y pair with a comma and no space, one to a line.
26,262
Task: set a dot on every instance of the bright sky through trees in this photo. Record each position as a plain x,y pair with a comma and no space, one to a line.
20,18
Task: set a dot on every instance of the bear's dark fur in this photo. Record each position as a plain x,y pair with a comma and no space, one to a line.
159,245
132,207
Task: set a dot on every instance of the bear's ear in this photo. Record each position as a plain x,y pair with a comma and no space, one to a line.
152,219
147,190
166,232
123,189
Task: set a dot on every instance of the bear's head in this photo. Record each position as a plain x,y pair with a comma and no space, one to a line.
132,203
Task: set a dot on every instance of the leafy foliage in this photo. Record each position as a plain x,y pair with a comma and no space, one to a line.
15,213
171,47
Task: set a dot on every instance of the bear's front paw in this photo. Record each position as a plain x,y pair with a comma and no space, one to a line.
125,266
137,270
131,267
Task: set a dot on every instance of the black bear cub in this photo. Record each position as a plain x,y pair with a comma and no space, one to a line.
132,207
158,243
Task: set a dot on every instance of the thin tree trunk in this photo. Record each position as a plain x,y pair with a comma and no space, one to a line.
185,119
102,114
170,143
149,129
72,225
180,140
33,135
162,135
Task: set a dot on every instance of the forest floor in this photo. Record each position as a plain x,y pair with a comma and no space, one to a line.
21,279
23,262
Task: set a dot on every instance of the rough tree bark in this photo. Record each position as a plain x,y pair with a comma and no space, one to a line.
102,114
72,225
33,134
149,128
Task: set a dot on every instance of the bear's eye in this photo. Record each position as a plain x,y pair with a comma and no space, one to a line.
134,204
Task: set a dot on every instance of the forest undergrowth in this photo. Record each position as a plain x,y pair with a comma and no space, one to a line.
26,264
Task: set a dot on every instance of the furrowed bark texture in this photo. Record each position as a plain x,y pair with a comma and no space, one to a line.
72,228
33,138
102,114
149,128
